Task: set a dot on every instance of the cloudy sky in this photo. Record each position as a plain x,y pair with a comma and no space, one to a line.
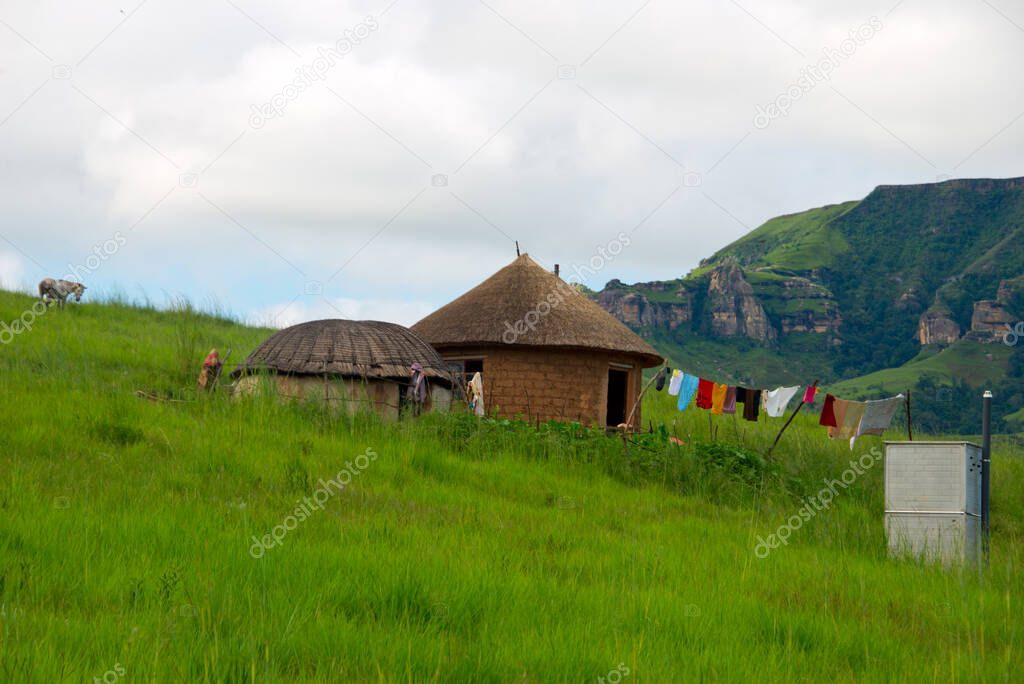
374,159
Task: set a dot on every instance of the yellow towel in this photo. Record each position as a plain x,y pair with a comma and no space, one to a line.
718,398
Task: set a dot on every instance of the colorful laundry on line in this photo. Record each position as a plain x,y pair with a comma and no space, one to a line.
705,388
673,385
776,400
730,401
809,395
828,412
686,390
877,417
848,415
718,398
751,403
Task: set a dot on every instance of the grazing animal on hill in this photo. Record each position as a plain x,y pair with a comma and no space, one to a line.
51,290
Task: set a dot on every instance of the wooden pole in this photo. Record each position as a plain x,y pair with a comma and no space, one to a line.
910,430
791,417
636,404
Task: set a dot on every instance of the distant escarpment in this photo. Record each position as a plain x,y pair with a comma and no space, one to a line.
865,282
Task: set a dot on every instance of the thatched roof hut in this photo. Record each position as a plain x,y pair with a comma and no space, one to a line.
545,351
350,362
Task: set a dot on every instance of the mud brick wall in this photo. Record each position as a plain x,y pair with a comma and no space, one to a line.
550,384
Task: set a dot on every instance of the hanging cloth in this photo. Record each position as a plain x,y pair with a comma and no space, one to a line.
877,417
730,401
809,395
705,388
673,385
686,390
776,400
659,383
828,412
848,415
751,403
476,395
718,398
417,392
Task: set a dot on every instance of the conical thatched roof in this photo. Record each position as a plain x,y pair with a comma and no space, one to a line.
522,293
345,348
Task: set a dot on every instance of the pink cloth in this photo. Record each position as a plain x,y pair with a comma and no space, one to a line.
730,401
809,395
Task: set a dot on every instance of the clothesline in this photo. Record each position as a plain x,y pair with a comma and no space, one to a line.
847,419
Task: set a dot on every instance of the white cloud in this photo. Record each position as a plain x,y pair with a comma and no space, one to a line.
562,165
312,308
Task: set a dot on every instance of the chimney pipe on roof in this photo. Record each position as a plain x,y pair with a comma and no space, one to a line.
556,270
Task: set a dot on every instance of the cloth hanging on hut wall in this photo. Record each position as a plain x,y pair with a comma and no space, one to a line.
687,389
718,393
877,417
809,395
476,399
673,385
417,392
828,412
705,388
751,403
776,400
730,401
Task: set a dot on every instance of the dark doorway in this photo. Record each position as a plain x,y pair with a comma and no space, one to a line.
618,382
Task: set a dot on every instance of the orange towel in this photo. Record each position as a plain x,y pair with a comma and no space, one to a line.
718,398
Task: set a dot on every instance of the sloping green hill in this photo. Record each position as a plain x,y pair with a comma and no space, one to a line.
463,550
978,365
795,242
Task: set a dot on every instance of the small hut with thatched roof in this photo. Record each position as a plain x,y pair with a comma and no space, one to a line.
352,365
544,351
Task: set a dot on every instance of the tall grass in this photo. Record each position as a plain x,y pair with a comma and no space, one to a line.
468,551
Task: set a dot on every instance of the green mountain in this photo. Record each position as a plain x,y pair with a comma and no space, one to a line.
913,284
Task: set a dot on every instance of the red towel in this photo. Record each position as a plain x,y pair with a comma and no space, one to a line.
705,388
809,395
828,412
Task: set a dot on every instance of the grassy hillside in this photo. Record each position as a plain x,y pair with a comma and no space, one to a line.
978,365
794,242
464,550
741,361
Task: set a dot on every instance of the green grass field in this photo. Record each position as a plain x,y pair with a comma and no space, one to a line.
465,550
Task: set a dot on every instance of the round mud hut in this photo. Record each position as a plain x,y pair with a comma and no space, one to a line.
351,365
544,351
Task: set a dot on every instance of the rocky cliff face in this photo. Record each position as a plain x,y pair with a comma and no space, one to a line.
723,303
808,307
936,327
734,310
990,319
637,309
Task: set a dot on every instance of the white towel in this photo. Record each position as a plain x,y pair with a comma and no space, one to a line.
675,383
877,417
776,400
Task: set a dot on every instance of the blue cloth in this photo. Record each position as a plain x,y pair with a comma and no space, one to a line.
687,389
